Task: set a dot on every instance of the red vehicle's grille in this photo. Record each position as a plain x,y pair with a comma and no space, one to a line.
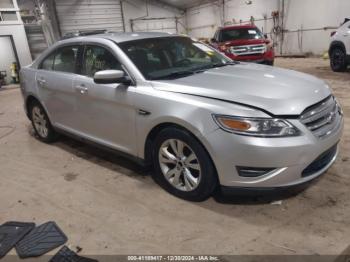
248,49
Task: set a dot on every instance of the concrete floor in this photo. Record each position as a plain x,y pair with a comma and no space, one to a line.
107,205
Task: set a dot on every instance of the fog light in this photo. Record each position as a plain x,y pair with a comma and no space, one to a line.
253,171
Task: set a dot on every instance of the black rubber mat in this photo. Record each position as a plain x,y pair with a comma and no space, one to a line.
12,232
41,240
67,255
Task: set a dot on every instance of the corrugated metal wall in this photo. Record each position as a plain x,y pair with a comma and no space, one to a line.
77,15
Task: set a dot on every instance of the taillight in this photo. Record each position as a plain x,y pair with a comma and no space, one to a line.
333,33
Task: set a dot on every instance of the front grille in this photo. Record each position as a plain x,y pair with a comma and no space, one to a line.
248,49
323,118
321,162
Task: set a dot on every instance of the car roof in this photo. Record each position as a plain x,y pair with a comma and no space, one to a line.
120,37
238,26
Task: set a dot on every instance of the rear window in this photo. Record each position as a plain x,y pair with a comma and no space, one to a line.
240,33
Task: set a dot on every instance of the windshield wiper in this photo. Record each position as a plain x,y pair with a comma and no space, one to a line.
225,64
173,75
210,66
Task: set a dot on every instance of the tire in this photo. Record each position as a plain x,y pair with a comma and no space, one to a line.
191,177
270,63
338,60
41,123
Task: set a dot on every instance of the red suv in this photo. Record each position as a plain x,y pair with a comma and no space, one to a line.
244,43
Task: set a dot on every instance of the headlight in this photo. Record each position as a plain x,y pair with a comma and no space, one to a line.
262,127
340,110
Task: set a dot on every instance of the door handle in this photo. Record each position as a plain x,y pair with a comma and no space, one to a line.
81,88
42,82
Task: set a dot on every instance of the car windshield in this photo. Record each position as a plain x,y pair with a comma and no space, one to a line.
172,57
240,33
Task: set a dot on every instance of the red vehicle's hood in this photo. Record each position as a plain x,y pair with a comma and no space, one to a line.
244,42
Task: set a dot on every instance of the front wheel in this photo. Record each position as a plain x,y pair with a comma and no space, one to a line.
182,165
338,60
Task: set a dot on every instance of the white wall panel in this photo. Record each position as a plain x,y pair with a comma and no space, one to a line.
312,14
20,40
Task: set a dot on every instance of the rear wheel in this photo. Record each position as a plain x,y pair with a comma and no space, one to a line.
41,123
338,60
182,165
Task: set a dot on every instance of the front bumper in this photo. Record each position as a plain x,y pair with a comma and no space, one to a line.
266,57
289,156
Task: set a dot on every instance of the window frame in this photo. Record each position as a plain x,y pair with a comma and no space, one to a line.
82,60
57,50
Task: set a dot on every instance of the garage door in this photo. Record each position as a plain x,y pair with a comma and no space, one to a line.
7,56
78,15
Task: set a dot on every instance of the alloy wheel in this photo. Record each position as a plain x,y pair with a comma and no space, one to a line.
40,122
179,165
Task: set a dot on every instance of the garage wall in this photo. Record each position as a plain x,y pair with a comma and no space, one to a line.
306,15
235,10
116,15
137,10
7,56
79,15
312,14
20,40
15,29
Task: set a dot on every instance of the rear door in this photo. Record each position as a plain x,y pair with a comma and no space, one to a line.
55,86
106,111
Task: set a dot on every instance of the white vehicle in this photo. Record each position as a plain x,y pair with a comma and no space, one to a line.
339,50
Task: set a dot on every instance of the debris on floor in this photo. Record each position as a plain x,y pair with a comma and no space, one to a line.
276,203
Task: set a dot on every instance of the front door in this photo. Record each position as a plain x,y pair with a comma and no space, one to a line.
105,111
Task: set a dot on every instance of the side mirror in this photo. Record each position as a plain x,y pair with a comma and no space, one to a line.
213,40
111,77
265,35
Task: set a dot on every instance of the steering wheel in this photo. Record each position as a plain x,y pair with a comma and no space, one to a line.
183,62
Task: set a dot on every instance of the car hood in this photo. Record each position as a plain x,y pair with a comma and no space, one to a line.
245,42
278,91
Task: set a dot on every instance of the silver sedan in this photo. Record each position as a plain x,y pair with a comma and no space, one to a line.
201,119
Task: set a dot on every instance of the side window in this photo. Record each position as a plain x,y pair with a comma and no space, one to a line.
216,36
65,59
219,36
62,60
96,59
47,64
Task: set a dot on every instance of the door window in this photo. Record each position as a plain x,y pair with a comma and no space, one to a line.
63,60
47,64
97,58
